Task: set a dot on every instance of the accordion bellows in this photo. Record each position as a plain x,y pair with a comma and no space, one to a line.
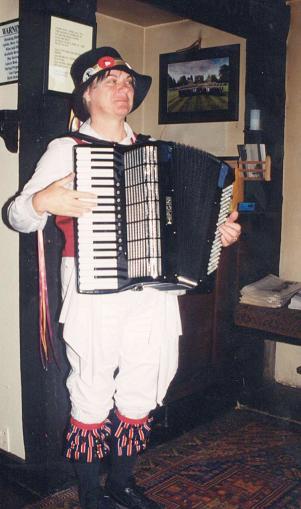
156,216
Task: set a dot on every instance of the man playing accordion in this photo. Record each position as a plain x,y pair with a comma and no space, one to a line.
122,347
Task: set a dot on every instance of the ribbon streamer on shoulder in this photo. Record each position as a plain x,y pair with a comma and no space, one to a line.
45,324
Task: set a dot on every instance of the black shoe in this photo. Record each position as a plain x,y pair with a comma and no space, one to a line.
98,499
130,496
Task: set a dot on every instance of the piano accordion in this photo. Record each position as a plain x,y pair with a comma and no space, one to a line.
156,217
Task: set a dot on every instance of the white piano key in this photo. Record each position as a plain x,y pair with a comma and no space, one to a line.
85,249
98,218
103,231
104,172
83,181
100,167
98,236
101,209
103,263
103,193
104,254
85,155
98,274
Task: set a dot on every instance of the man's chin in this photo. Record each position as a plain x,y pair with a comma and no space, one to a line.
123,107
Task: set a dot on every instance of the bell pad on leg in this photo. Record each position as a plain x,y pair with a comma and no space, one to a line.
87,443
130,436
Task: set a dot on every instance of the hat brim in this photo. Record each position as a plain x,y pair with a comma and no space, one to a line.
142,86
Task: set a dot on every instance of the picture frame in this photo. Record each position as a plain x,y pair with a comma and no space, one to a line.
66,40
199,85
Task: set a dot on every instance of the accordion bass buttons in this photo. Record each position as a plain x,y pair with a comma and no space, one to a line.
118,223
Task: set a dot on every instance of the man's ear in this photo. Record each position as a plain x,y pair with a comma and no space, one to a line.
86,99
86,95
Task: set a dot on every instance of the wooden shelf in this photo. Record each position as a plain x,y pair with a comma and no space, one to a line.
281,321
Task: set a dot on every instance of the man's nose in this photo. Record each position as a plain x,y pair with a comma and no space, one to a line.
123,85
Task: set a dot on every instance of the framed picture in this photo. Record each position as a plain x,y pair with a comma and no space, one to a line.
9,51
199,85
67,39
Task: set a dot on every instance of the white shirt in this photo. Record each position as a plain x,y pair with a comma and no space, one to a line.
56,163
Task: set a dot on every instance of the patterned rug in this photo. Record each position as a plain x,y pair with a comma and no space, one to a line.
244,460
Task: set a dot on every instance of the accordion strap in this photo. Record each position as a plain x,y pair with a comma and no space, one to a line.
85,138
81,138
142,138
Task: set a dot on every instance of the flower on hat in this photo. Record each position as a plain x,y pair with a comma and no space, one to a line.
105,62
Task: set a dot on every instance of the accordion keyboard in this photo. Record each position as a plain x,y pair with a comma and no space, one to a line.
99,231
118,228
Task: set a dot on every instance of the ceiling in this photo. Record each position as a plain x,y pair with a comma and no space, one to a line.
253,19
136,12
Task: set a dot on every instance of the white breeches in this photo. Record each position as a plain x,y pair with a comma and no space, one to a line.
122,348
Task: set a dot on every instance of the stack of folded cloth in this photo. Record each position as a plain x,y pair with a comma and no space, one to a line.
295,302
270,291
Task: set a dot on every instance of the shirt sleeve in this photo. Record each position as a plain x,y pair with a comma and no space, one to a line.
56,163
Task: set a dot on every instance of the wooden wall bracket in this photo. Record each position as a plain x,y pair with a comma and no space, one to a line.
248,171
255,170
9,129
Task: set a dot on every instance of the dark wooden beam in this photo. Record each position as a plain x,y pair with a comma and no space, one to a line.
42,116
245,18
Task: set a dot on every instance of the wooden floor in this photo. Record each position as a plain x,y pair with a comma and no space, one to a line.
284,403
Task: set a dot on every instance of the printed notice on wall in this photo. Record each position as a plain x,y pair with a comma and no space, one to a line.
9,52
68,40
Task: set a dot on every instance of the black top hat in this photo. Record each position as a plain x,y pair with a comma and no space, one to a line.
98,61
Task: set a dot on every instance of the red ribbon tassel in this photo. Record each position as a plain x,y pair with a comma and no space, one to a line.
45,328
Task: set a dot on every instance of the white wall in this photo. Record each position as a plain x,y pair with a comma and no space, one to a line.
142,47
10,378
288,357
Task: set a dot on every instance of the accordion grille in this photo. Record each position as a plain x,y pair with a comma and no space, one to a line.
143,212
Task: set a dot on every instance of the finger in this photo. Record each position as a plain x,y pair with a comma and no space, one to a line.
231,228
86,205
227,240
233,216
76,210
83,195
230,234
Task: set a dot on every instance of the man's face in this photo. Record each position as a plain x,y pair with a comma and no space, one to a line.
112,96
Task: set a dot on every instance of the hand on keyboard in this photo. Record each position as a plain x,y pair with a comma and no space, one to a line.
59,200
